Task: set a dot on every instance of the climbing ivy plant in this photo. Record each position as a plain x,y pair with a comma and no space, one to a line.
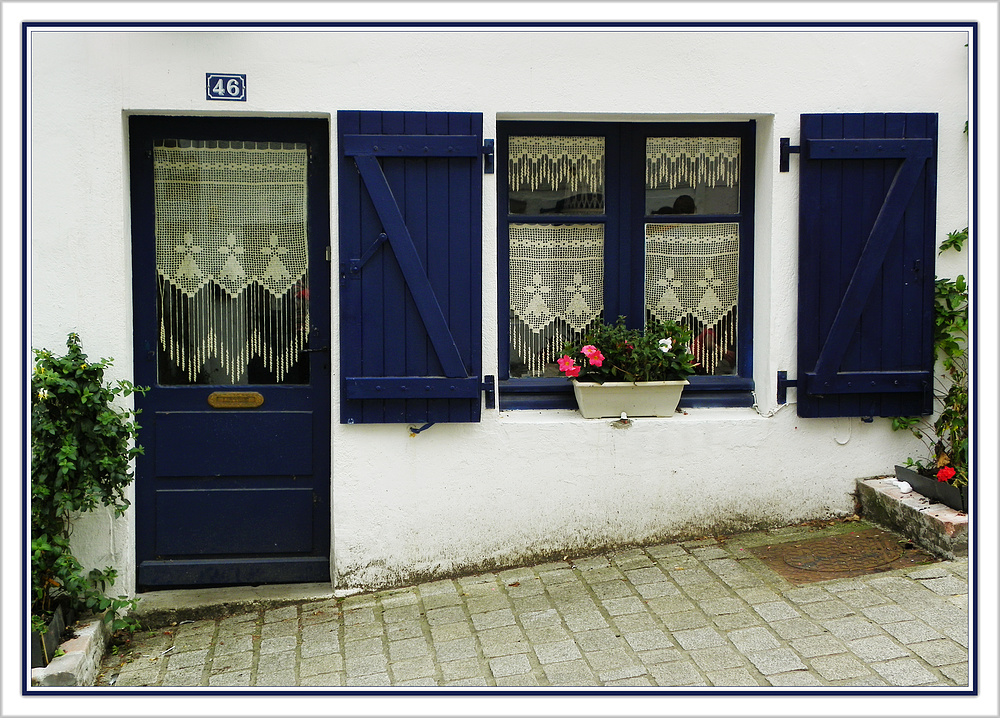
82,446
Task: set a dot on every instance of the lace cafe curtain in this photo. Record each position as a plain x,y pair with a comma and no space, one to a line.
692,277
556,290
571,164
231,257
673,162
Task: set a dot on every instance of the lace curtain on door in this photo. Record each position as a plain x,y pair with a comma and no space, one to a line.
692,277
673,162
231,255
556,290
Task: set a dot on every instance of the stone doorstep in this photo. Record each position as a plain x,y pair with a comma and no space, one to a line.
933,526
81,659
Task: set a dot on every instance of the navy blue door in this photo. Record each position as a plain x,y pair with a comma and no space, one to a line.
230,239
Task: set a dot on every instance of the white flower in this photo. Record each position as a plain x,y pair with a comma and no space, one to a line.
665,345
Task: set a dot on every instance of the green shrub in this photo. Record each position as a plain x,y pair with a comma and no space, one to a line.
82,446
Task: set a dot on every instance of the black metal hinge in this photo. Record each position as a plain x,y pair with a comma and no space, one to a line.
785,148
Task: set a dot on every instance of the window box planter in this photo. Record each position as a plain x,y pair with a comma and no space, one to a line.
956,497
641,398
44,645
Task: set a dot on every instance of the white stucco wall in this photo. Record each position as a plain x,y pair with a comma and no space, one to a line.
520,484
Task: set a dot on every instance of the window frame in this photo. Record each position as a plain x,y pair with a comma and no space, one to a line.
624,217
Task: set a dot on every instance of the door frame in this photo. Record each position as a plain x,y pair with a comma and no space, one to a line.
142,128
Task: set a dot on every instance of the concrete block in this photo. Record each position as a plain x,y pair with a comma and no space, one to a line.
934,527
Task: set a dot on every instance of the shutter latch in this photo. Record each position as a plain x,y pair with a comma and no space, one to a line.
785,148
489,386
488,157
783,383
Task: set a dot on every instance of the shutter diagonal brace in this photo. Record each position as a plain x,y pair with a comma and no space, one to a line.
873,255
398,237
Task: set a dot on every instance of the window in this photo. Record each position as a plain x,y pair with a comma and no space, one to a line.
644,220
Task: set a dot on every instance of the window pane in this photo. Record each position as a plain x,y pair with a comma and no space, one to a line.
556,175
556,291
692,175
692,277
232,262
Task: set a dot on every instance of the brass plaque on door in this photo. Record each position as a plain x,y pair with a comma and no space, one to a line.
235,399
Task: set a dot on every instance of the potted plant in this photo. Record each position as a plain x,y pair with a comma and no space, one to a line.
943,473
81,450
617,370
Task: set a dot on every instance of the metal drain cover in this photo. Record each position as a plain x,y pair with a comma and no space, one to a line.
841,556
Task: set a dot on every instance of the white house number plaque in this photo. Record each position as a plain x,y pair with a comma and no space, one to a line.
220,86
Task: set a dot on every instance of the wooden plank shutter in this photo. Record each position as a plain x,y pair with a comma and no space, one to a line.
410,206
866,264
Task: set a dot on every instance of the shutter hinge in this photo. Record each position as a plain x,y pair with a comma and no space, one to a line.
785,148
783,383
329,253
490,387
488,167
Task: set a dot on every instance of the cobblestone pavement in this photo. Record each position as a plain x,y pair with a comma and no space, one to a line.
695,613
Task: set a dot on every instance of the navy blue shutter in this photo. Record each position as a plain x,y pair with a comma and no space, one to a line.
411,266
867,243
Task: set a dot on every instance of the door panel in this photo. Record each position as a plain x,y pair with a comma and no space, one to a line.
230,230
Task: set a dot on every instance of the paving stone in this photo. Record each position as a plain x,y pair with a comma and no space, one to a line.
363,630
876,648
716,658
570,673
597,640
330,663
531,604
637,623
809,594
645,575
904,672
658,589
614,663
756,595
720,606
732,621
636,681
447,614
777,660
647,640
186,659
660,655
616,588
408,648
547,634
907,632
233,645
678,673
400,613
478,681
354,616
886,614
402,631
674,603
666,550
451,631
277,662
958,673
365,665
189,676
230,679
827,609
698,638
839,667
753,639
509,665
705,591
863,598
684,620
279,644
822,645
522,680
364,647
282,678
731,677
852,627
285,613
493,619
502,641
794,678
949,586
557,652
940,652
462,668
412,668
455,649
931,572
372,679
436,588
408,597
484,604
776,611
622,606
590,620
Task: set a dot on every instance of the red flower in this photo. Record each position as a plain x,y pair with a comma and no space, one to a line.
945,473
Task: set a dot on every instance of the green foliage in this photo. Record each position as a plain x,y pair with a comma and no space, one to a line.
947,436
622,354
81,449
